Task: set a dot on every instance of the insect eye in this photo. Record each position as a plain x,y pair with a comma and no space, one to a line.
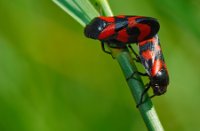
99,28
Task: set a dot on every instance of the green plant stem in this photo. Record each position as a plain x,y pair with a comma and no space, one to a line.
123,57
136,86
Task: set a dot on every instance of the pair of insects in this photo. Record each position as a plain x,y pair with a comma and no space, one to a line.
120,31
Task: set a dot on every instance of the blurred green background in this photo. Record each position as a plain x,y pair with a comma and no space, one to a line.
52,78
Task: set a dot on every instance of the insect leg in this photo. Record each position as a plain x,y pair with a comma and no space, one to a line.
136,55
104,50
143,93
132,75
142,74
152,96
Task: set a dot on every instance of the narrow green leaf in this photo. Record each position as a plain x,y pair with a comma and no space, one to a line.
105,6
81,10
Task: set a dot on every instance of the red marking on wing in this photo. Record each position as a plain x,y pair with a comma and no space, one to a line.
157,48
147,55
122,36
164,65
107,32
145,42
107,19
121,16
132,22
157,66
145,30
152,40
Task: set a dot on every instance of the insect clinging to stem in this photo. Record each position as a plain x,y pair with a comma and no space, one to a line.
120,31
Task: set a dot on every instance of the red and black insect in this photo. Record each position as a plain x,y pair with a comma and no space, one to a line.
152,59
117,31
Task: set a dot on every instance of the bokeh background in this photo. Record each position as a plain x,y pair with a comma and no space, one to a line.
52,78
